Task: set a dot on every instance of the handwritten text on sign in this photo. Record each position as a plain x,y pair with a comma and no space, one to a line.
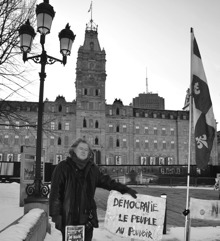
140,218
204,209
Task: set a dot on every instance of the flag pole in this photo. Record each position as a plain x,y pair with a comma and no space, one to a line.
186,212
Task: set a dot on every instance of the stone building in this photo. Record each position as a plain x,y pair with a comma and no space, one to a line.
138,134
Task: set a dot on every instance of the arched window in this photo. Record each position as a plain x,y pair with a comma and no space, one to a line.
60,108
96,124
84,122
59,141
59,126
117,128
110,142
117,143
96,141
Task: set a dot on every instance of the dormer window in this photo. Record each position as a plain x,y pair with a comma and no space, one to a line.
60,108
91,46
117,111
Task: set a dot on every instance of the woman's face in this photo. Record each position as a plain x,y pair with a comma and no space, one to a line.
82,151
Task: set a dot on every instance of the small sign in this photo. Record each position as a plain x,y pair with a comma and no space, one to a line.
205,209
141,218
75,233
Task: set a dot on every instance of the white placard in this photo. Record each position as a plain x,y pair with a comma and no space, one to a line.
204,209
141,218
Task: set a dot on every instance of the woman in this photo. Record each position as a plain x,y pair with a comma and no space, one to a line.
73,188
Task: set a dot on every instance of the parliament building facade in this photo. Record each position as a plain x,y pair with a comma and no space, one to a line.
143,133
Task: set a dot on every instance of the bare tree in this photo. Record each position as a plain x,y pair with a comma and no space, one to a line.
13,14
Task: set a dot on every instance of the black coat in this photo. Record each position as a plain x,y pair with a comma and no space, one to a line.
72,192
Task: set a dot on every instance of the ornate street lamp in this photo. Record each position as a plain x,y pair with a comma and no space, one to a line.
45,15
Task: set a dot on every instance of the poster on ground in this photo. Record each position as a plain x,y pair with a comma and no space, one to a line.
204,209
141,218
74,233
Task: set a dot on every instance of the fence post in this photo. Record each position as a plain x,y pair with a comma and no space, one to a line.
163,195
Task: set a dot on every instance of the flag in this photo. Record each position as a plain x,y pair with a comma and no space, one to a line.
90,8
203,116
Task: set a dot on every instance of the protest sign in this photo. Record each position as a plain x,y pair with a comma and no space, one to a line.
204,209
74,233
141,218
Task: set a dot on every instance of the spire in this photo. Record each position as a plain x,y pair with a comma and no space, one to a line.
146,82
91,26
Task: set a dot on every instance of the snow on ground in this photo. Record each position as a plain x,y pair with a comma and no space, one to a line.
10,211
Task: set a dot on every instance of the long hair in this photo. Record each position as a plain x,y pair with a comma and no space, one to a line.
76,143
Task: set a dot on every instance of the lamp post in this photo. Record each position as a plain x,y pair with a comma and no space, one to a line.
45,15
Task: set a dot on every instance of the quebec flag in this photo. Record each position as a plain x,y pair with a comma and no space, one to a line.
203,116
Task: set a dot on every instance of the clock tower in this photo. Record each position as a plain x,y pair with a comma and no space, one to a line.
90,92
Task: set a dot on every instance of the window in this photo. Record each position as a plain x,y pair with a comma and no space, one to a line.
137,144
124,143
124,127
67,109
117,143
59,126
117,128
117,160
172,132
26,125
143,160
117,111
110,111
60,108
146,130
155,130
84,123
67,126
7,125
152,160
26,140
52,109
97,92
163,131
59,141
164,145
85,92
66,141
59,158
90,123
146,144
172,145
155,145
52,140
161,161
6,140
10,157
170,161
96,124
17,125
137,130
110,142
96,141
91,105
16,140
19,158
110,128
52,125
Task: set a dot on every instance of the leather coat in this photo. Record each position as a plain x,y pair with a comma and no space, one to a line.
72,194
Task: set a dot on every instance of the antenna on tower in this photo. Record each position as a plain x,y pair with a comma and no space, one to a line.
146,82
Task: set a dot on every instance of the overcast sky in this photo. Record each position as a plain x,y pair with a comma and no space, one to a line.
142,38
